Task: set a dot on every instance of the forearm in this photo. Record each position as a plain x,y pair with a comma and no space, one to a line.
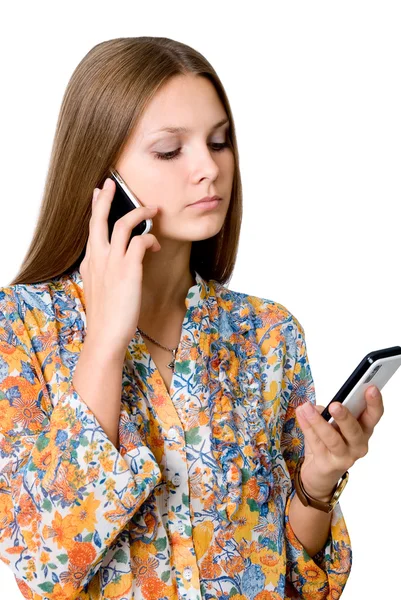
98,380
310,525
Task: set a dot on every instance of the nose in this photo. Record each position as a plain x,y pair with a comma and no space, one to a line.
204,163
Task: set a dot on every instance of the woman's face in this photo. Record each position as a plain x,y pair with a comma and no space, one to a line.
200,167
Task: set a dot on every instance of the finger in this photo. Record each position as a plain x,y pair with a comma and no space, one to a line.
96,192
87,255
98,225
350,429
120,238
322,430
313,443
138,246
373,412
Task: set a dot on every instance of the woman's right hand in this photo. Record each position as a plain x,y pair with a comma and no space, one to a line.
112,273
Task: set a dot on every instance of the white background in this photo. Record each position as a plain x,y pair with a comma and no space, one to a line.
315,92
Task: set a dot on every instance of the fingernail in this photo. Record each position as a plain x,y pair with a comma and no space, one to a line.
95,194
336,409
107,184
374,392
308,409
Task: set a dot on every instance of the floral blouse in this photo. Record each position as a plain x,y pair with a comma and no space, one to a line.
194,503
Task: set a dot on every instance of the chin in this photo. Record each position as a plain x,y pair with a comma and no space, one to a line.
194,231
204,229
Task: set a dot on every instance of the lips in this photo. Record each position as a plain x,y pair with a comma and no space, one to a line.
207,199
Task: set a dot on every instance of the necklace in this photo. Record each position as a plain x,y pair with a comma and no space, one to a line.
172,350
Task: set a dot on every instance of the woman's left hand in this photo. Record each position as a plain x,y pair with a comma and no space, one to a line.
330,453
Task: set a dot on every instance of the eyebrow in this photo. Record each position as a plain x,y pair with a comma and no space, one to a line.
171,129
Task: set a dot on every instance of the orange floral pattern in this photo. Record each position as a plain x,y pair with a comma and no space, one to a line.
194,503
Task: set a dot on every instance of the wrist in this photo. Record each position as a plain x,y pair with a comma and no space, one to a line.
104,352
323,493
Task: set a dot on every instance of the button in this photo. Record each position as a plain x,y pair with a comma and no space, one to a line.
187,573
172,433
176,480
180,527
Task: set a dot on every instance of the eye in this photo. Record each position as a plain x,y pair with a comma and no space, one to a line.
175,153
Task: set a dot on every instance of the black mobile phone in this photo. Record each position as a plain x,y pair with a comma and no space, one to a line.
123,201
375,369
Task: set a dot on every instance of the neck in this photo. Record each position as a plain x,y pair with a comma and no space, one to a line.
165,282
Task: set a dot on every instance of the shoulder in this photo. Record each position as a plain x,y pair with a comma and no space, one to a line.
36,295
263,312
31,306
273,323
16,300
20,320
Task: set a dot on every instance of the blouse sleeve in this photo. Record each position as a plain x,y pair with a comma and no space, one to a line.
325,574
66,492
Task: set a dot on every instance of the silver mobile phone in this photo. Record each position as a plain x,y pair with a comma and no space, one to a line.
375,369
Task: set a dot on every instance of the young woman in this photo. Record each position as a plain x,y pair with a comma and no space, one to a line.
152,421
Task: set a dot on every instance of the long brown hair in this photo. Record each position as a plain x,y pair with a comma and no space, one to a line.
104,99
